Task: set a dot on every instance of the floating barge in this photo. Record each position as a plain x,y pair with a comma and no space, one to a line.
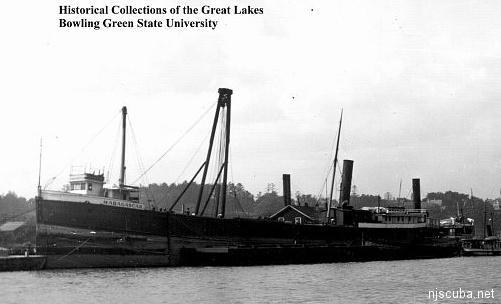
21,262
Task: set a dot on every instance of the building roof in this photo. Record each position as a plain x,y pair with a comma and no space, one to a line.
11,226
310,212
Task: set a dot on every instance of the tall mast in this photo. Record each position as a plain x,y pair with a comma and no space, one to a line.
224,100
40,170
485,219
326,192
492,224
400,192
335,162
121,181
206,166
227,146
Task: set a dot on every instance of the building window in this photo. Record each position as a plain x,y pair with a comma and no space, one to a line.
297,220
281,219
89,186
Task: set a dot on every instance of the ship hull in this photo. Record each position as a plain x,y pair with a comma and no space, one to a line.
480,252
294,254
78,235
94,260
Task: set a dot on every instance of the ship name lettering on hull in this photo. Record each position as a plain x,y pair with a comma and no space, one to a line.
123,204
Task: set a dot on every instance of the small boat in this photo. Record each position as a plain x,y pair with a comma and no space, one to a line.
481,246
457,227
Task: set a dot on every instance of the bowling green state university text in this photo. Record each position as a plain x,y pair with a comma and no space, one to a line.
139,23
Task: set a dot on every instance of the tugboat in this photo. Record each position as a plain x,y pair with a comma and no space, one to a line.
481,246
458,227
486,245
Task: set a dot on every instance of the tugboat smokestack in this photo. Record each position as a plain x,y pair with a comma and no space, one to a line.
287,188
416,193
344,196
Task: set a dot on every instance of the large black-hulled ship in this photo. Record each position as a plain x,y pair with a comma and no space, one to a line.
93,226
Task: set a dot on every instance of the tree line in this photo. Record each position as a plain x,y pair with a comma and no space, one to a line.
242,203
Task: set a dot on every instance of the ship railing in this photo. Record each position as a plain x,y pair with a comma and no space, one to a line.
435,223
407,211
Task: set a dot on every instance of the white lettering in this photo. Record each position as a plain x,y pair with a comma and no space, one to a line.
124,204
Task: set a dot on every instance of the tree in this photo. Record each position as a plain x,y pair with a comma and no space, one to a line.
268,204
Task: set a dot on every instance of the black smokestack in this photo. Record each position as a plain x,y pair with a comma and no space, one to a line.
287,189
416,193
344,196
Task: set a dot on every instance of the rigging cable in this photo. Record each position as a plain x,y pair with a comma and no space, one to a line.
184,169
216,166
330,163
233,182
82,150
192,157
140,164
221,156
326,177
176,142
114,152
138,155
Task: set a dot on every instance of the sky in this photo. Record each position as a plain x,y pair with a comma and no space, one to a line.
418,82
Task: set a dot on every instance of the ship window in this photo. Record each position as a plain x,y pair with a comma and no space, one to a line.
78,186
89,186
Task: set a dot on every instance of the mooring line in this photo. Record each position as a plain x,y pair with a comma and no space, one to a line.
73,250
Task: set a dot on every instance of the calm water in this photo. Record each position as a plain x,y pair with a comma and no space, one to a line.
371,282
